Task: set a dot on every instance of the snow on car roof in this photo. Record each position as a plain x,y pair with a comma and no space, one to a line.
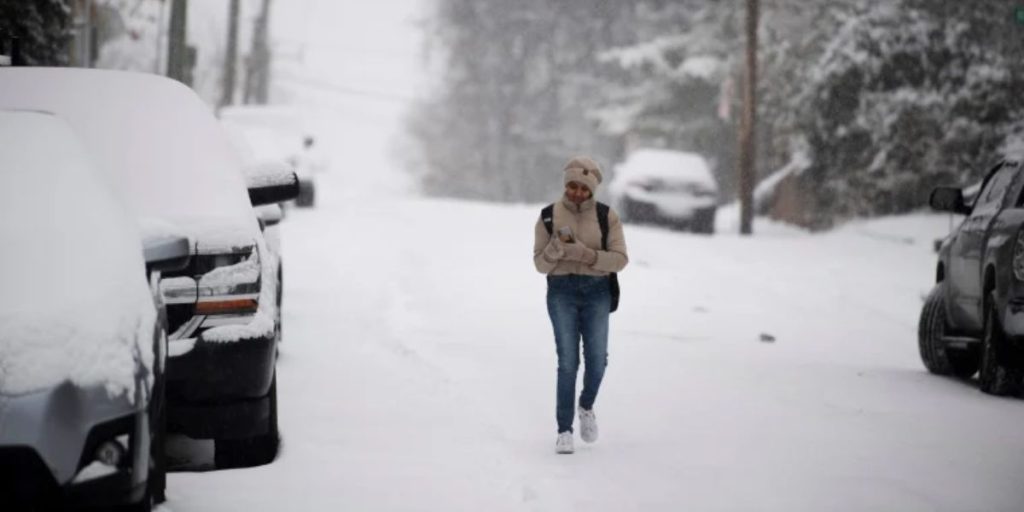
74,304
665,164
166,152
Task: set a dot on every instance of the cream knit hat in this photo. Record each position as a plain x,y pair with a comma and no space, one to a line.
583,170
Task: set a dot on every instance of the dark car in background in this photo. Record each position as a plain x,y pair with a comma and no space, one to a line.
83,340
973,319
171,162
660,186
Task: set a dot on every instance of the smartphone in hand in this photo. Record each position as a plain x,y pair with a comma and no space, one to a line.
565,235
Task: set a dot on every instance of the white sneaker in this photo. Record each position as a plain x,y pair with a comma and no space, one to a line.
564,443
588,425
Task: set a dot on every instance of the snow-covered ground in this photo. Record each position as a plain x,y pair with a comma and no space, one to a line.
417,370
418,373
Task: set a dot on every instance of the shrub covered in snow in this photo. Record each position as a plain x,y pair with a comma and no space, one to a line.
904,98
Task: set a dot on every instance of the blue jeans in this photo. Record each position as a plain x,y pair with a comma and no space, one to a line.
578,306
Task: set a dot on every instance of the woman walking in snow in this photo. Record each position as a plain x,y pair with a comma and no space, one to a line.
579,244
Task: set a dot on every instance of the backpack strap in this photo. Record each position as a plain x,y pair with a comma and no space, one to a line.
547,216
602,220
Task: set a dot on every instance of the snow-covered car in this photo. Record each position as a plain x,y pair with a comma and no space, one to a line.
82,329
269,215
279,133
170,160
667,187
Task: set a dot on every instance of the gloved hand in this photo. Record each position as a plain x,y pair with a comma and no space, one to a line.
579,252
554,251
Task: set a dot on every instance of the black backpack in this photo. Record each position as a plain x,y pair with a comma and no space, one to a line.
547,216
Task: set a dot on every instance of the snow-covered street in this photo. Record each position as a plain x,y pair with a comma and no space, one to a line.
417,370
396,156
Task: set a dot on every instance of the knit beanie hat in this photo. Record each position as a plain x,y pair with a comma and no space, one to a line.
583,170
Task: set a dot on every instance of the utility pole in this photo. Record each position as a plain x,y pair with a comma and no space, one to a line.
748,142
177,51
257,83
230,60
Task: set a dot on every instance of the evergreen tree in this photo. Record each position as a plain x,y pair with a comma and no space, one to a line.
906,97
42,29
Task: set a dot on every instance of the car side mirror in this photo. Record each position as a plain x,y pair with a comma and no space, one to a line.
166,253
949,199
271,182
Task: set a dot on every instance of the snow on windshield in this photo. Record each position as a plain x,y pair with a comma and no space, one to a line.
163,147
74,304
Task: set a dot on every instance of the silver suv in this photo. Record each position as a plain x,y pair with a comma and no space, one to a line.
82,329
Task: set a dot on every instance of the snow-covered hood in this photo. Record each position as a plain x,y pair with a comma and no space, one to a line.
161,147
74,304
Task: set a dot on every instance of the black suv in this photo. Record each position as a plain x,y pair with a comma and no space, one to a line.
973,319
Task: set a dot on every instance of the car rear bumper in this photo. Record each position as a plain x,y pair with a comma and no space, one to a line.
26,483
48,441
220,390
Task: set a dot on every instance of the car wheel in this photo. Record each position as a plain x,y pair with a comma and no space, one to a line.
996,377
251,451
306,194
704,222
936,356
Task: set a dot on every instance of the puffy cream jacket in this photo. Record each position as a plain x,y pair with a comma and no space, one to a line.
582,219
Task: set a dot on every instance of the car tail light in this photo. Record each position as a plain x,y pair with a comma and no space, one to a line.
1018,256
222,307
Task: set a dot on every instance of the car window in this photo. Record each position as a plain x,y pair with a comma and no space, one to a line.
996,188
1016,191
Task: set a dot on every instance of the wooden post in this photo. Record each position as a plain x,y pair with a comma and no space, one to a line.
231,59
748,142
177,58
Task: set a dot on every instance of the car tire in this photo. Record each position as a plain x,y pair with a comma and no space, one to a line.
307,194
704,221
996,377
937,357
251,451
